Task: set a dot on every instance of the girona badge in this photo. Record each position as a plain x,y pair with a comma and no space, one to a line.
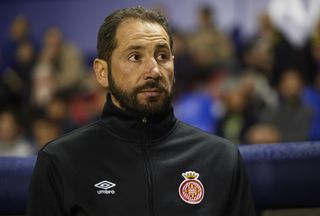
191,189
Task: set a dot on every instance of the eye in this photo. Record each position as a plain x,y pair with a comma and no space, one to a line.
162,57
135,58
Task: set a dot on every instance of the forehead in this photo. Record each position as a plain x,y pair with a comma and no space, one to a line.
136,31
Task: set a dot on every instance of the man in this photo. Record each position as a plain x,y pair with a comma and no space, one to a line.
138,159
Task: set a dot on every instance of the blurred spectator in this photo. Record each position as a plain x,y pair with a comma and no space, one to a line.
209,47
19,32
286,56
44,130
258,55
12,142
58,111
202,63
183,64
43,82
63,61
87,107
289,56
18,57
17,78
263,96
24,63
296,20
262,134
238,115
291,117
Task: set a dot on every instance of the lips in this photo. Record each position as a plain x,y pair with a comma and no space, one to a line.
151,91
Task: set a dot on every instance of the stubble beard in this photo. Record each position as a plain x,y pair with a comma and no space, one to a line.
129,100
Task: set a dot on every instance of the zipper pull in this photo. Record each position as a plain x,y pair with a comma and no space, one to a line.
144,120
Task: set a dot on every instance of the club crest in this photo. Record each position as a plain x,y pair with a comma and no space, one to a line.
191,189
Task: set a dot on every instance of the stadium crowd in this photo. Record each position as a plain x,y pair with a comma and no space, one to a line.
257,90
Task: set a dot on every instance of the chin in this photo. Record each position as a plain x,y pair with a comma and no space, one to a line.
155,107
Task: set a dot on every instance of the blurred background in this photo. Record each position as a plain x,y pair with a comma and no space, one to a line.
247,70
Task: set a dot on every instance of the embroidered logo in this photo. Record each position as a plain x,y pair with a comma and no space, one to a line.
105,185
191,189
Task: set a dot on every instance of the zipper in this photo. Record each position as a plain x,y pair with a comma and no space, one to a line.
148,170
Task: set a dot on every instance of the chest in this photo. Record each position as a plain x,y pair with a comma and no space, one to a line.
154,181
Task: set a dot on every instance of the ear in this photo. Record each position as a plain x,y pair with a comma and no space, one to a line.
100,68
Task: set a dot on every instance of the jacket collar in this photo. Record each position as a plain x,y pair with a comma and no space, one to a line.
133,127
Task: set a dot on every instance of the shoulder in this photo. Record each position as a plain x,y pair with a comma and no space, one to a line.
196,133
73,141
204,148
209,142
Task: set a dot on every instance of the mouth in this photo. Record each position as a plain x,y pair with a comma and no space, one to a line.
152,92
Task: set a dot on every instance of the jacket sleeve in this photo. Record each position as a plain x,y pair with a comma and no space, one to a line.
240,200
45,191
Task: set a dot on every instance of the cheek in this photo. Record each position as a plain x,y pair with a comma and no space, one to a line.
169,74
124,76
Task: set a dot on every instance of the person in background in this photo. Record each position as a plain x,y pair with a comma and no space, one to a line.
259,50
239,113
19,33
184,66
64,60
18,57
209,47
43,86
12,141
58,110
292,117
287,56
44,130
18,80
87,106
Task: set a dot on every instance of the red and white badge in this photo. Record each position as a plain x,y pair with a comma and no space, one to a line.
191,189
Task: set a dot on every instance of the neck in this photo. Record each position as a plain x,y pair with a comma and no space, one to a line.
116,102
128,124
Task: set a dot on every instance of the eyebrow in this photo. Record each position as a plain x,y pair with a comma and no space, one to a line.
139,47
135,47
162,46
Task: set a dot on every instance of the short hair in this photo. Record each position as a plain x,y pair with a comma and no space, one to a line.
107,33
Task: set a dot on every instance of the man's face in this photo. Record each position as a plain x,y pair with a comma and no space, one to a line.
140,73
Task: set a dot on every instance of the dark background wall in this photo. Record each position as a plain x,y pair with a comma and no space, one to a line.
80,19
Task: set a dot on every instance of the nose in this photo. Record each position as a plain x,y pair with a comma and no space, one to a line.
152,70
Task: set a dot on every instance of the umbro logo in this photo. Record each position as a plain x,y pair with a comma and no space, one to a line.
105,185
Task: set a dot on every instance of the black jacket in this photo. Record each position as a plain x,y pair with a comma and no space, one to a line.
129,165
